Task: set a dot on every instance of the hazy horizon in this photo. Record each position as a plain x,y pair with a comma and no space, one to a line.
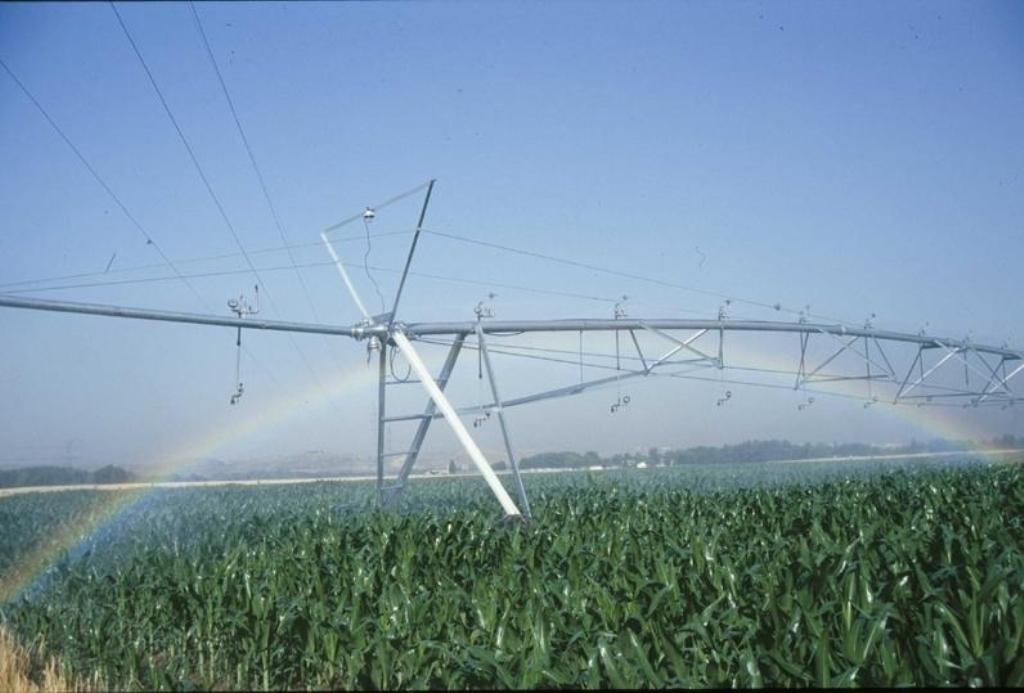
848,163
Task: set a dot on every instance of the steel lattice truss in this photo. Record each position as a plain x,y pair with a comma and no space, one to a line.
875,365
982,373
900,368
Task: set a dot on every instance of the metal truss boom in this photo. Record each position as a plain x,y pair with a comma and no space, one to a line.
855,354
505,327
985,378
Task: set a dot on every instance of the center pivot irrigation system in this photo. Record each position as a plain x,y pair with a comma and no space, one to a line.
933,371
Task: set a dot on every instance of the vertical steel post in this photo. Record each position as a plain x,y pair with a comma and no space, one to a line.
520,489
867,361
381,411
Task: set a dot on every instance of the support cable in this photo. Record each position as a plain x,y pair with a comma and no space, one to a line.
279,268
252,160
193,260
438,233
209,189
391,367
366,262
618,273
188,147
150,240
103,184
259,174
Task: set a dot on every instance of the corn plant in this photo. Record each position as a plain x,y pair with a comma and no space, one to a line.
744,576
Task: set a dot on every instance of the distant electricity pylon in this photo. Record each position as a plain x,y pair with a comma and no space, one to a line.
933,371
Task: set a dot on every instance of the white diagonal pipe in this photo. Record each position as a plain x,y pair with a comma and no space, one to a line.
455,422
344,275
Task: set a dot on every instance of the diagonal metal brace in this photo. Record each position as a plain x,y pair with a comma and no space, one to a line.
455,422
425,421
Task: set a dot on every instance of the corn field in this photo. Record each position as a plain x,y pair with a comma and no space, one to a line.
744,576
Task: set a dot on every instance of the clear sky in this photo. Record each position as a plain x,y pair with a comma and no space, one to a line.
855,158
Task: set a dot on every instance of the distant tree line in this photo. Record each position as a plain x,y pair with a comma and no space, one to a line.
749,451
63,476
561,460
754,451
768,450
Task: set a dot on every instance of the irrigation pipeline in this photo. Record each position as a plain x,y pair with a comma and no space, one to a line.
413,330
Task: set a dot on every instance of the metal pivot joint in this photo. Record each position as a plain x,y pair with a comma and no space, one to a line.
384,332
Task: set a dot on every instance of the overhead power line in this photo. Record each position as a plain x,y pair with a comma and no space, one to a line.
625,275
185,142
288,246
259,174
188,261
252,160
103,184
16,287
209,189
324,263
150,240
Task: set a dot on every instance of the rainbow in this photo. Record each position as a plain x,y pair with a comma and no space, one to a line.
266,418
943,422
114,507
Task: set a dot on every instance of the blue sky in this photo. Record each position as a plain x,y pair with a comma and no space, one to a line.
857,158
